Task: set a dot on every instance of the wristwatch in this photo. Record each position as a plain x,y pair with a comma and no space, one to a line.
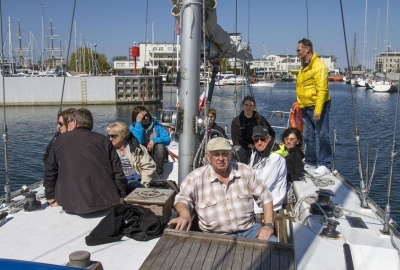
270,225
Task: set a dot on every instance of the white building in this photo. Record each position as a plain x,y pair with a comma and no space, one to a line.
152,56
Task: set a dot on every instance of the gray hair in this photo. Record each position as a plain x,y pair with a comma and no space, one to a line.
83,117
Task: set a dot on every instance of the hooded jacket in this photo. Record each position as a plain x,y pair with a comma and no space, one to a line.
140,160
271,169
144,133
312,85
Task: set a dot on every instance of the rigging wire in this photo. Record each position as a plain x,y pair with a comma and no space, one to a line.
308,36
69,46
364,195
7,188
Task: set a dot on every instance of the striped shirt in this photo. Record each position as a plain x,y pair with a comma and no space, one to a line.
223,208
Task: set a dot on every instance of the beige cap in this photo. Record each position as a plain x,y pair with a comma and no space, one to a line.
218,143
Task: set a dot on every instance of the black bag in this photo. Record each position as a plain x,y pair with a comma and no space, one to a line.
165,184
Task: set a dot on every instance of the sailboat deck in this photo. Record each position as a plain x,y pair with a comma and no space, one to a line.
197,250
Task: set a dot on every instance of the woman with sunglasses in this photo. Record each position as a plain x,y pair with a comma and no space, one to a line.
62,127
294,160
137,164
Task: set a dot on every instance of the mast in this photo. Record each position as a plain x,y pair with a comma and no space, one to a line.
10,50
365,36
387,38
376,37
191,18
21,57
52,42
42,52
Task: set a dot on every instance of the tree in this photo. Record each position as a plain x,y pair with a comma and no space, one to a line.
86,60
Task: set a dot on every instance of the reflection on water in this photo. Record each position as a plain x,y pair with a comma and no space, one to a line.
31,127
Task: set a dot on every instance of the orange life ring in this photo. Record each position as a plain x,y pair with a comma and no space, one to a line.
296,119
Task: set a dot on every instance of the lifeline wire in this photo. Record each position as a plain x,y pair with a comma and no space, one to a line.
69,46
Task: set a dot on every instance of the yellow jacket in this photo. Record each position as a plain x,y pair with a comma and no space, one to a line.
312,85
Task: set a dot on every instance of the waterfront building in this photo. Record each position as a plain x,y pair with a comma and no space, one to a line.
153,56
387,61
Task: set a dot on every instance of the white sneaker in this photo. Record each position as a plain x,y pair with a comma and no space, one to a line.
308,166
321,170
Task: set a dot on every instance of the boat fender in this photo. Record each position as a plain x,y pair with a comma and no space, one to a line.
296,119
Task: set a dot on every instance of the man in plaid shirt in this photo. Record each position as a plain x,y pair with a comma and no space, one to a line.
222,193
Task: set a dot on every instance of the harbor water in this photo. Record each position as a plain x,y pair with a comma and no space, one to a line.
30,128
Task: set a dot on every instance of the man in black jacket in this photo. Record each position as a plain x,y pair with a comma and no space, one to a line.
83,172
242,129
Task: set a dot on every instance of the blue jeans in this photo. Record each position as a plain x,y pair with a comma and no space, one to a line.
133,183
320,128
252,232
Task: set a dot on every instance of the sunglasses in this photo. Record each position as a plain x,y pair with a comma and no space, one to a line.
70,120
260,139
113,136
290,139
60,123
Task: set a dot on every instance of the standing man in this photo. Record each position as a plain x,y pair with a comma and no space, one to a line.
313,98
222,193
83,171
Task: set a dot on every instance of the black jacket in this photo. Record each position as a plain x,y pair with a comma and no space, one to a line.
83,172
133,221
48,147
294,164
242,128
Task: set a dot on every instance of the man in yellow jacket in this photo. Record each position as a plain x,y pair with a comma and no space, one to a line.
314,100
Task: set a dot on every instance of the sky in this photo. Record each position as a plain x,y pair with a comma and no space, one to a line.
115,25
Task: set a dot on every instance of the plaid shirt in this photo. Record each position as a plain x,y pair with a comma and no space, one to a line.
223,208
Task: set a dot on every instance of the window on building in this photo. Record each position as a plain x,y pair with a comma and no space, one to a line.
120,65
161,49
131,64
169,49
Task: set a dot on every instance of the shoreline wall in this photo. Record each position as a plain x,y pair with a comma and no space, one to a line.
28,91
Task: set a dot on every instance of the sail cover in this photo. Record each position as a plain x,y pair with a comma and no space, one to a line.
219,43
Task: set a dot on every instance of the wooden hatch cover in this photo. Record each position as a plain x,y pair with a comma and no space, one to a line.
198,250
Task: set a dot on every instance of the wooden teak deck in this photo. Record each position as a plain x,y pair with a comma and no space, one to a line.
197,250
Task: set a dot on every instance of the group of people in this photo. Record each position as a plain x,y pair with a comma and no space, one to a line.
224,191
227,192
86,171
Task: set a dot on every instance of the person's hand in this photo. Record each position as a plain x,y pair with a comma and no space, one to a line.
264,233
50,202
182,222
140,116
150,146
121,200
317,117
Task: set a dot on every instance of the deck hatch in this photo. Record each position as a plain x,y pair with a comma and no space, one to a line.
356,222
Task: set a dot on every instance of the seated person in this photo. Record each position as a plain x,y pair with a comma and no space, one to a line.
294,159
136,162
216,131
242,129
151,135
222,194
62,127
269,166
83,171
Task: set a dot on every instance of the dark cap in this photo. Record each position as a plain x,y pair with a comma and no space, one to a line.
261,131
